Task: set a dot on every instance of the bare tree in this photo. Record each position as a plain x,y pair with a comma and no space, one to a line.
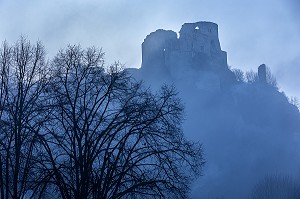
110,137
22,81
251,77
271,79
239,75
5,61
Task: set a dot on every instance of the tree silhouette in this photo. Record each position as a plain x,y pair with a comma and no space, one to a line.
23,79
111,138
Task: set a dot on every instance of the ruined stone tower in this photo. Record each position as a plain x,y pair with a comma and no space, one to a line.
197,48
262,73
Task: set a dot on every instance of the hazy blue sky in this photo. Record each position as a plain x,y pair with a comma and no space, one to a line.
251,31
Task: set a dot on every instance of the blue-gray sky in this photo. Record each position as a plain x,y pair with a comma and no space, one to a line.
251,31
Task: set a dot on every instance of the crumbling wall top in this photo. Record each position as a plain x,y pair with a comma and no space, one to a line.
161,35
197,46
202,27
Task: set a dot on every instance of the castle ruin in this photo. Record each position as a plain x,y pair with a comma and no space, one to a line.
197,48
194,55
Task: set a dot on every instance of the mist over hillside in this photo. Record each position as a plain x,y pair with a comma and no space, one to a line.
247,127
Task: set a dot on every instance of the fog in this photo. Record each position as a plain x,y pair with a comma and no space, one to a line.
252,32
248,130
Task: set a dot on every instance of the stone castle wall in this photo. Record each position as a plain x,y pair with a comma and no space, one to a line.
197,47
